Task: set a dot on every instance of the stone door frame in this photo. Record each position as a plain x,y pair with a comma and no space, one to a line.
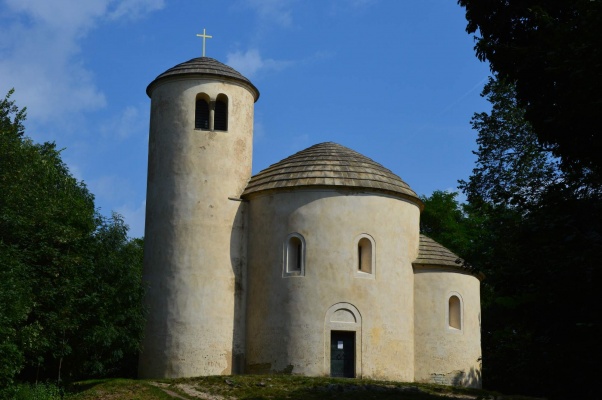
343,317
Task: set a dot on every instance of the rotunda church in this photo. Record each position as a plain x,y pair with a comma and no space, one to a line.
314,266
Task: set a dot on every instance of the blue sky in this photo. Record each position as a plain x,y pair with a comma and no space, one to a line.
396,80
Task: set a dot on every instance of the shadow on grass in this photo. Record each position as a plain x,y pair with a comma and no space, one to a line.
273,387
82,386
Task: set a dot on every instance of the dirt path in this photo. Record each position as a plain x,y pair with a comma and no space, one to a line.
189,390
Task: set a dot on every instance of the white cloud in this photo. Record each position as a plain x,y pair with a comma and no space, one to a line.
39,63
60,14
132,121
134,9
273,11
134,217
39,52
113,189
251,62
258,129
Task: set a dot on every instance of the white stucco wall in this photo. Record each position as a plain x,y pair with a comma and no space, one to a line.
443,354
289,318
195,251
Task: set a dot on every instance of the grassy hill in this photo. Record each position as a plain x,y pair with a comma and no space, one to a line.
249,387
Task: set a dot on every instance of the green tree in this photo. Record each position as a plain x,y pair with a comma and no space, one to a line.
512,169
15,293
541,237
445,221
47,218
550,50
110,336
70,279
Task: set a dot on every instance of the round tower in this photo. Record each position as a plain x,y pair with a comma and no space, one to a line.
199,162
447,310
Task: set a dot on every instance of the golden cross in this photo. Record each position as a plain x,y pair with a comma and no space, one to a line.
204,36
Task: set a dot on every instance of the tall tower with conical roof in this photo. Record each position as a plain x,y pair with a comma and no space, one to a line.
200,153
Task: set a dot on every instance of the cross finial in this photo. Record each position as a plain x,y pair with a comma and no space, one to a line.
204,36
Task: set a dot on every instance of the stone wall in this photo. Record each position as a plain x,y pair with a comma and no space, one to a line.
444,354
289,318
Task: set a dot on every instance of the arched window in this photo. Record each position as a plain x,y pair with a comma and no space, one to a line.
364,258
221,113
294,255
364,255
201,114
455,312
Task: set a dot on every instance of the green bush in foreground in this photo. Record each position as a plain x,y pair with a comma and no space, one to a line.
41,391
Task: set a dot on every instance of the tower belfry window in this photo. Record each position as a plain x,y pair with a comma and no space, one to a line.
221,113
201,114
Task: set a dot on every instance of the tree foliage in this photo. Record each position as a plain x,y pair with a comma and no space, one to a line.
513,170
70,279
539,243
445,220
550,49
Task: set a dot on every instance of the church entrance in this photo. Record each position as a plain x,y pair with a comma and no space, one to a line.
342,354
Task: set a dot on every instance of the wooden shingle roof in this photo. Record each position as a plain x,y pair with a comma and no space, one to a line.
435,254
202,67
330,165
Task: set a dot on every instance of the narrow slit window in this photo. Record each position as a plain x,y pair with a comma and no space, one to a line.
294,255
455,313
201,115
221,113
295,248
298,255
364,255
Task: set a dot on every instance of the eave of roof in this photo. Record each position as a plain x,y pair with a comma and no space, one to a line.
431,253
203,67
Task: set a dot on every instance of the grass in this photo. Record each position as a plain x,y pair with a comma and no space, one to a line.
274,387
41,391
115,389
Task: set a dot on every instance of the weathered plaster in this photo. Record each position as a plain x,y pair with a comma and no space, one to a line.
444,354
285,316
220,299
195,248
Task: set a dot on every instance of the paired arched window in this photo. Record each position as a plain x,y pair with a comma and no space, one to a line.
211,115
221,113
201,114
454,314
294,255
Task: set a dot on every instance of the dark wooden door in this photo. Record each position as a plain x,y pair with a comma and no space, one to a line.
342,354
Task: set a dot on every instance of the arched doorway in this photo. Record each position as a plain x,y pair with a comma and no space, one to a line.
343,341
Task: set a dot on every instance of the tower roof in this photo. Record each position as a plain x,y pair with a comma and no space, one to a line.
433,253
330,165
202,67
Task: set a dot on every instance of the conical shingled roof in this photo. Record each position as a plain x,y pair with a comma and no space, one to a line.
433,253
330,165
203,66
